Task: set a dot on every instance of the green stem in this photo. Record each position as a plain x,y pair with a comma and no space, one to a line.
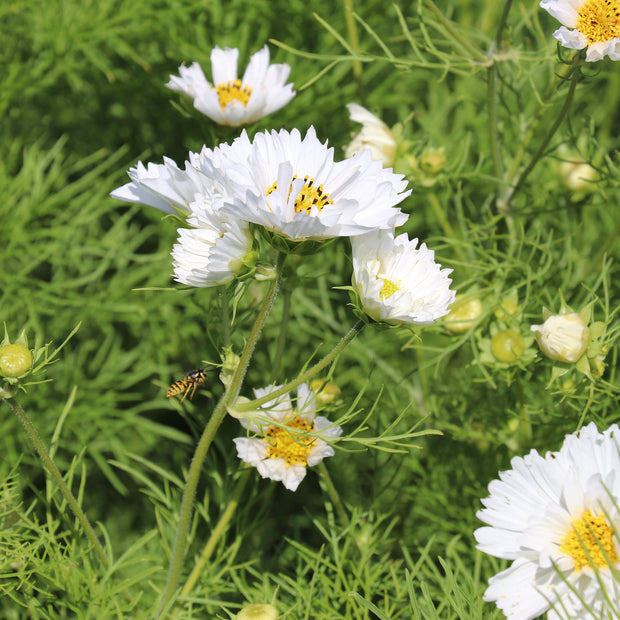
353,38
219,413
217,532
80,515
286,307
477,54
333,494
576,74
225,315
502,22
311,372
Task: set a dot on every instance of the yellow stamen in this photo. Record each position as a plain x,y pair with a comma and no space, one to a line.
599,20
233,91
590,542
389,288
311,195
294,447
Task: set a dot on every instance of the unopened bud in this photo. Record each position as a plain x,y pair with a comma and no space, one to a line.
230,361
578,175
433,160
563,337
258,612
507,345
463,314
326,391
15,360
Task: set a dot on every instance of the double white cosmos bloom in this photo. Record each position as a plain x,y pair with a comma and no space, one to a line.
289,185
397,282
296,439
558,518
230,100
595,24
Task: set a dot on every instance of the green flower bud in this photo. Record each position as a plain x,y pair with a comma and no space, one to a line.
326,391
463,314
507,345
15,360
258,612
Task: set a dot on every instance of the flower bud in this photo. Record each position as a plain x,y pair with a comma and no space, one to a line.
258,612
326,391
507,345
433,160
374,135
578,175
463,314
230,361
15,360
563,337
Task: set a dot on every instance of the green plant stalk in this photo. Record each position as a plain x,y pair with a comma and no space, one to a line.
286,308
477,54
80,515
217,532
446,226
577,61
219,413
333,494
353,38
225,315
311,372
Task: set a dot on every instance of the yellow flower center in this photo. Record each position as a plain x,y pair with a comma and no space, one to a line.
599,20
388,289
311,195
293,447
233,91
590,542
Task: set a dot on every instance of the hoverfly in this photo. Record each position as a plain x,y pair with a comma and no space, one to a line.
191,381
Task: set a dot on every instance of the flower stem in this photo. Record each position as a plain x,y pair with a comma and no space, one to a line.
286,308
225,315
219,413
576,74
353,38
36,441
311,372
333,494
217,532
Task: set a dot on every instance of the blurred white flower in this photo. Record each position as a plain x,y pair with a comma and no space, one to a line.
282,451
374,135
293,187
397,282
595,24
557,517
233,101
563,337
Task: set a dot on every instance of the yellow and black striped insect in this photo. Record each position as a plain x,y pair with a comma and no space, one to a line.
191,381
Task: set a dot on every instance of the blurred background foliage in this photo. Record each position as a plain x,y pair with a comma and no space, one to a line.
83,98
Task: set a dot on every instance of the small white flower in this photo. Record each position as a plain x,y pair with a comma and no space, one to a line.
563,337
231,101
374,135
282,452
397,282
293,187
595,24
213,252
557,518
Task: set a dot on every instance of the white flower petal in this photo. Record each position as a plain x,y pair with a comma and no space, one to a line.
375,136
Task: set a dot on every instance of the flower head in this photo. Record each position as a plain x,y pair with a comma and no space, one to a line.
374,135
398,282
557,517
563,337
595,24
294,188
296,439
230,100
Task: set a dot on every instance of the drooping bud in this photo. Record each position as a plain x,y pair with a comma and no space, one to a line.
563,337
257,611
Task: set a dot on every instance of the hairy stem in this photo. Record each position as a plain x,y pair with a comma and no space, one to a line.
219,413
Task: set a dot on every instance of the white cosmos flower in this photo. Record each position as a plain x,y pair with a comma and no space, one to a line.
214,251
282,452
374,135
398,282
595,24
557,518
293,187
232,101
